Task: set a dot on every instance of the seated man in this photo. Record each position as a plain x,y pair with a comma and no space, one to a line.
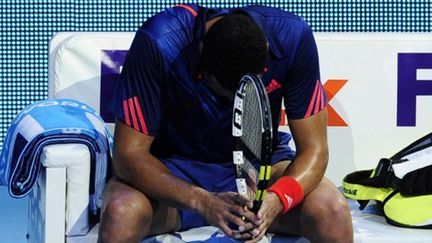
173,146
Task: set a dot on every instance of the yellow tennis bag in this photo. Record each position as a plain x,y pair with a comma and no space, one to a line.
402,185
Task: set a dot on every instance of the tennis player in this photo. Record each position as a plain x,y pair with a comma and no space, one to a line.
173,145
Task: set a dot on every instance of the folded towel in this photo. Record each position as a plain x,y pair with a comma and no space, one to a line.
54,121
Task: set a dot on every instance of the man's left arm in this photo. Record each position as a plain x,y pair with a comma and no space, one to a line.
305,101
310,137
307,169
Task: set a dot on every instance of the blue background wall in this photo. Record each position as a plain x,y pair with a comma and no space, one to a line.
27,26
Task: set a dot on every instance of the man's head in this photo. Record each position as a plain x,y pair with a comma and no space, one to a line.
233,46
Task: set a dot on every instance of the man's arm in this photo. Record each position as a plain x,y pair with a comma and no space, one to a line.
310,163
135,165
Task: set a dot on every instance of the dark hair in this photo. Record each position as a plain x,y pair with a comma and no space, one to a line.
233,46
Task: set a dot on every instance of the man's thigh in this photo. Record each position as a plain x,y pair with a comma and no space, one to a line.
163,219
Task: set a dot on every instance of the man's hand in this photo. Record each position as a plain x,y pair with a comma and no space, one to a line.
225,208
270,209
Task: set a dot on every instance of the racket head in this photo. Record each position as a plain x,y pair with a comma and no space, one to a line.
252,133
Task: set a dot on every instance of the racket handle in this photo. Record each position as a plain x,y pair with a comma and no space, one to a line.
256,206
242,190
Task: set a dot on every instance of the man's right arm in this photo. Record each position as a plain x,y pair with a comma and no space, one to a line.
136,166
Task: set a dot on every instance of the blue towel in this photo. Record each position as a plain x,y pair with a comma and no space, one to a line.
54,121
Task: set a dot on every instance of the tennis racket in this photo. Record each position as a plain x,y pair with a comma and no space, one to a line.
252,132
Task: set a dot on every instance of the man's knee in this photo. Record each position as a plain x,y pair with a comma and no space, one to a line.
329,206
331,217
335,208
126,216
128,207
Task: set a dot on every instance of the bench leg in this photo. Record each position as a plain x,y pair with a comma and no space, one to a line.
46,220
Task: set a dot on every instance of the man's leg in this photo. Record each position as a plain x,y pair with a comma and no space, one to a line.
323,216
128,215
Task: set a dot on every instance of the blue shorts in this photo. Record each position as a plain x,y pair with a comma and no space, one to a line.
215,177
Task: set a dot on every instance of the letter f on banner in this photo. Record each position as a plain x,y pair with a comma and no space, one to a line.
411,83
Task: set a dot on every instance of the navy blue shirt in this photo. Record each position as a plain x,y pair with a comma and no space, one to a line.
160,95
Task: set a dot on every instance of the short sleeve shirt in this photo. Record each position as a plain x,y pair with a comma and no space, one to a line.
160,93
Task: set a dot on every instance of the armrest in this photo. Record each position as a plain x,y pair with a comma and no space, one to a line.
59,202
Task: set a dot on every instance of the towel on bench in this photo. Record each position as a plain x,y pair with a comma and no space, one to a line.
54,121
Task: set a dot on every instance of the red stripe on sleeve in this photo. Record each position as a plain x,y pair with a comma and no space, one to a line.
126,112
193,12
134,118
140,115
318,100
312,102
322,98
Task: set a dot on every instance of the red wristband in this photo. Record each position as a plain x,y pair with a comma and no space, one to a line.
289,192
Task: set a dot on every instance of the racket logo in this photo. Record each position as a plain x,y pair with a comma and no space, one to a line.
237,115
237,118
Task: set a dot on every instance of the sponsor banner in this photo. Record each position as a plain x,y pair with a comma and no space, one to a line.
379,87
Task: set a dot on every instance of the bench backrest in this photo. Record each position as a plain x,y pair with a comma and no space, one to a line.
372,81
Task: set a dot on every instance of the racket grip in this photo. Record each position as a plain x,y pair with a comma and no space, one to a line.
256,206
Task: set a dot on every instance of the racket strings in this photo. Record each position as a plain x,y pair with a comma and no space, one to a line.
252,124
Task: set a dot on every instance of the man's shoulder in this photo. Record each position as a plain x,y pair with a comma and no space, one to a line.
172,29
284,30
169,21
273,13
